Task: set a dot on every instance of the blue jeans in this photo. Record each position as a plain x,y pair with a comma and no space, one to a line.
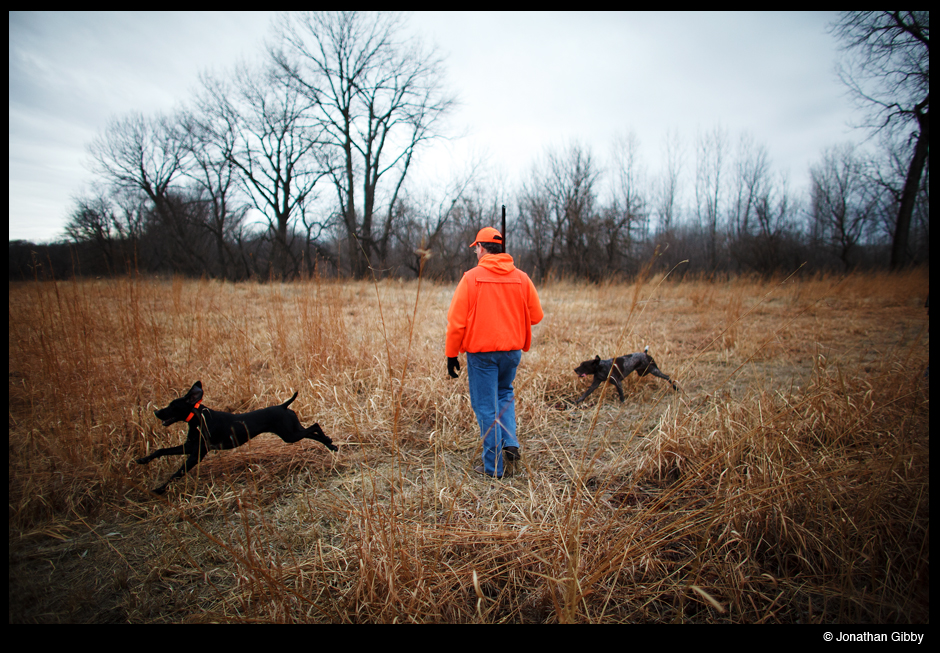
491,375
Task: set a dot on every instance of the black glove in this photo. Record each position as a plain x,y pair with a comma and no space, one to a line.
453,366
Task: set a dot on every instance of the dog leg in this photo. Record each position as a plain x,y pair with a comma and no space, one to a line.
593,387
316,433
312,433
191,462
655,372
619,386
159,453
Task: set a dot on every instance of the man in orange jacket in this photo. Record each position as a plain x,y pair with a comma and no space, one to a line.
491,318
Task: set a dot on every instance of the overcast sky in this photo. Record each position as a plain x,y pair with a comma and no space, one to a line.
526,82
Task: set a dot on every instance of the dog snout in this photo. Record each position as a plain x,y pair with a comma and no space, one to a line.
161,415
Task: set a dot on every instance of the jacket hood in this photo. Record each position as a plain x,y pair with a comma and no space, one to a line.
498,263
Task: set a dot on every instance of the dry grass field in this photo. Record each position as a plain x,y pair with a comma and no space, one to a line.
787,482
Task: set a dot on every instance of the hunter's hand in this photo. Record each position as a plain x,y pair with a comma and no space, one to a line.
453,366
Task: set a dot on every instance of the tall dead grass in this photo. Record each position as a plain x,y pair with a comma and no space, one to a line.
787,482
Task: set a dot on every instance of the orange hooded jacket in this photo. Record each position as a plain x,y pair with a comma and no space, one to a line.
493,309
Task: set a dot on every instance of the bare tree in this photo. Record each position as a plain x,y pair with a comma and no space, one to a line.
215,176
889,73
751,177
264,126
767,238
140,154
559,213
443,209
888,173
378,99
147,155
627,219
667,190
541,234
94,221
843,205
711,152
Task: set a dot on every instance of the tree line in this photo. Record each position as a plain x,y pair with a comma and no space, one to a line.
300,165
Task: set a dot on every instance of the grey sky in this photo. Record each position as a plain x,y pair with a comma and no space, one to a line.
526,82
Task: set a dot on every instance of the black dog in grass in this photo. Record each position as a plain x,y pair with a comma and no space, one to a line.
617,369
213,429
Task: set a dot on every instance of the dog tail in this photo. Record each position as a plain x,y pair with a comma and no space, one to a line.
647,350
289,401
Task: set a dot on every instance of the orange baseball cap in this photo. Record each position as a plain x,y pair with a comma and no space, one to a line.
487,235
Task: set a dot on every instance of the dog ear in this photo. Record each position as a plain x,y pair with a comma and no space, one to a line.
597,359
195,392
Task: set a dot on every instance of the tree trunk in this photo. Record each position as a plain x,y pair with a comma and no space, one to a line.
899,246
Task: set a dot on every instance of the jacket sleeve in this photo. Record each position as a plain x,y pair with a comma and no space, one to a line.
535,306
457,319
